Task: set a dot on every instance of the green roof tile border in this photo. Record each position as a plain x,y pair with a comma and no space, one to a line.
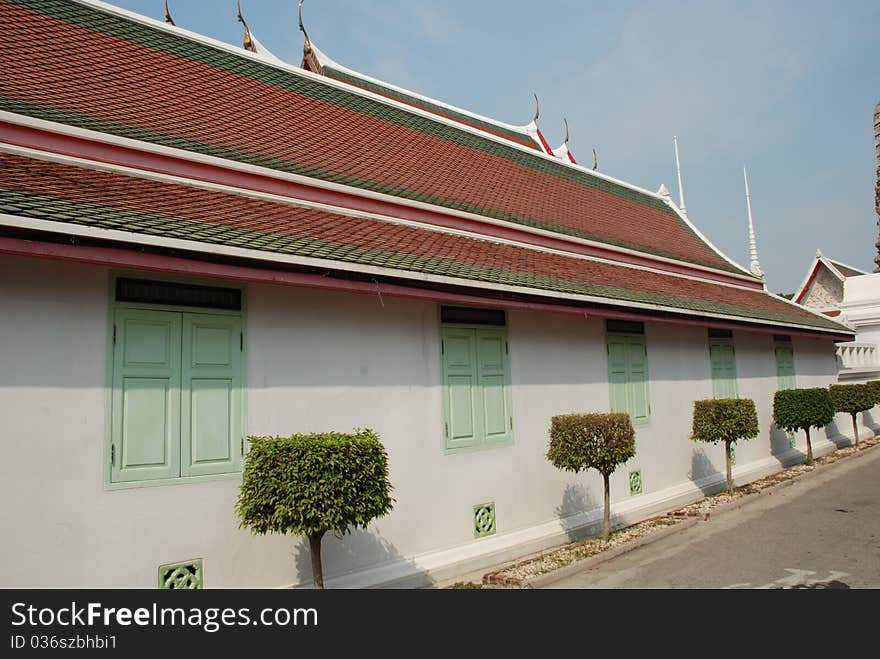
105,217
134,32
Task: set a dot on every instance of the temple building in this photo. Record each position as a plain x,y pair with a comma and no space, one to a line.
200,243
851,296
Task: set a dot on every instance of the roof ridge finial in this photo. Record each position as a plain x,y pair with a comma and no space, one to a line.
537,108
681,204
248,41
307,45
168,18
565,121
310,60
754,264
595,160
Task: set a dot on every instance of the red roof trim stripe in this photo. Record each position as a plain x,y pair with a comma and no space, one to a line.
145,261
809,283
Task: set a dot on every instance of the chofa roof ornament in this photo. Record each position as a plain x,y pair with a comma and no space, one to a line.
168,18
248,40
310,60
307,45
562,152
537,108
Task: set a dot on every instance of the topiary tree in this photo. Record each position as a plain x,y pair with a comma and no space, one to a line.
725,420
599,441
310,484
796,409
874,387
852,399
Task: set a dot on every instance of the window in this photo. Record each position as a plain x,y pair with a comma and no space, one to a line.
723,362
628,369
784,350
176,399
477,411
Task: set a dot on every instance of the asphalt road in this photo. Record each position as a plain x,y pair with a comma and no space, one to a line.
821,531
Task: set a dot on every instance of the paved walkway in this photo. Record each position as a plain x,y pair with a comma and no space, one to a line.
821,531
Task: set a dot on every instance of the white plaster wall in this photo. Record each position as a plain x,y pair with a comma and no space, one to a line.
861,306
321,361
864,289
59,526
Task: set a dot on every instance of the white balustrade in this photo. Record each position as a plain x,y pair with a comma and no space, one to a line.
855,354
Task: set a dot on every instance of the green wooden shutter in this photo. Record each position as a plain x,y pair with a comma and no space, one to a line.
211,395
628,375
460,381
637,380
785,365
617,373
145,416
494,392
723,361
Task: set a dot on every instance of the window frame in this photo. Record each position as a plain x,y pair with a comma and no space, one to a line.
643,340
481,444
112,306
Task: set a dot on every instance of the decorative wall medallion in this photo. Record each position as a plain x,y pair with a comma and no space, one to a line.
484,520
181,576
635,482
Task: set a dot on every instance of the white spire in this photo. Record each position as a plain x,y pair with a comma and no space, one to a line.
754,264
681,205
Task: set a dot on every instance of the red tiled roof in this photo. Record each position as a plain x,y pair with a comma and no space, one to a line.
78,65
77,195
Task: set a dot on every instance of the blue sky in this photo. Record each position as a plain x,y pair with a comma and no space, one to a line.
786,88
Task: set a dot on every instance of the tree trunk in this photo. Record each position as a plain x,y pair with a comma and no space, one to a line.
606,528
855,429
315,550
809,447
727,459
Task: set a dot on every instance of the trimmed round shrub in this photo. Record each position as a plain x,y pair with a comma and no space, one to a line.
874,387
308,484
592,441
725,420
852,399
802,409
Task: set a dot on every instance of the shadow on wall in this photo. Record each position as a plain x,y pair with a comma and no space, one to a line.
701,469
836,436
780,440
871,419
356,550
576,499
